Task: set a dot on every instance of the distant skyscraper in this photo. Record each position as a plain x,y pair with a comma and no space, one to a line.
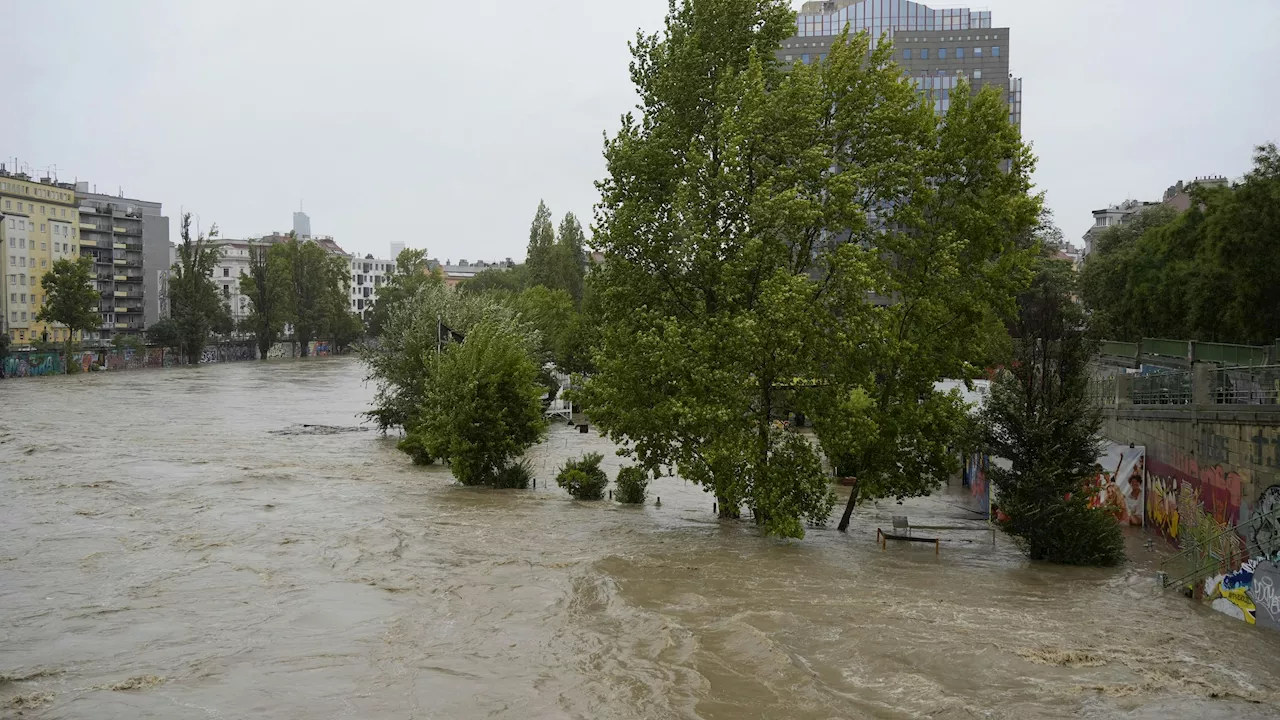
301,224
396,249
934,47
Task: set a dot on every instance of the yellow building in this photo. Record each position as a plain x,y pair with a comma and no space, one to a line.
41,225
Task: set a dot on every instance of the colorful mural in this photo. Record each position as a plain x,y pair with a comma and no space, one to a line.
975,478
32,364
1119,484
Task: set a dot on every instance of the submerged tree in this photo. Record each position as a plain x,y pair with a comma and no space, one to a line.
315,286
1040,418
267,299
813,241
458,374
412,272
195,305
69,298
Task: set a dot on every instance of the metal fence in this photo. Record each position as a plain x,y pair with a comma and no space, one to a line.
1171,388
1246,385
1217,552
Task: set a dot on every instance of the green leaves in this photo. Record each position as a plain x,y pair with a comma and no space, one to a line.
476,403
484,408
1210,273
69,296
195,305
813,241
1040,419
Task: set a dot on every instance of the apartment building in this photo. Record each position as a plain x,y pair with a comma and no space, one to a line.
128,241
38,226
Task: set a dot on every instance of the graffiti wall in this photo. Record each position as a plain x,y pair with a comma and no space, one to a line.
1173,491
975,478
32,364
1118,483
319,348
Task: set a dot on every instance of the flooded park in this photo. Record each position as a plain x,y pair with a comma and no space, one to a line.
231,541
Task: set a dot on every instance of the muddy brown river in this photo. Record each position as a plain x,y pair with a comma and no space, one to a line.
176,544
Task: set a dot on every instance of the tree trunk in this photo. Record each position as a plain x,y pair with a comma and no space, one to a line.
848,508
727,510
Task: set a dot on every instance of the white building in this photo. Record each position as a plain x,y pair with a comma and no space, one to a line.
234,261
368,274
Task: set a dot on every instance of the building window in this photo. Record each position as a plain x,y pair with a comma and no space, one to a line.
942,53
924,53
226,272
41,209
41,227
977,74
226,291
787,58
977,52
23,299
906,54
995,51
959,53
805,58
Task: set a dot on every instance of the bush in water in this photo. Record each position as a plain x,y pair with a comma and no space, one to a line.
631,483
583,478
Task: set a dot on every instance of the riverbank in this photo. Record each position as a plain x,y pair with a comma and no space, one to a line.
220,558
40,363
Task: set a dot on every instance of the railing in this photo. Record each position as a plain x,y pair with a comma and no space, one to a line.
1246,385
1172,388
1183,353
1219,553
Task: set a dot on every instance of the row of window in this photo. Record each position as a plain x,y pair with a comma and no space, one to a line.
52,194
58,229
54,334
20,280
31,208
957,53
21,298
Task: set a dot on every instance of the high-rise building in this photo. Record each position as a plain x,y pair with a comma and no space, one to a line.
301,225
39,228
396,249
128,241
935,47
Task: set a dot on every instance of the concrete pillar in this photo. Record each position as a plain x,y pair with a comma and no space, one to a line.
1202,375
1124,389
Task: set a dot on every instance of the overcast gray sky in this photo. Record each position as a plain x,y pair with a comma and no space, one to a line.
442,124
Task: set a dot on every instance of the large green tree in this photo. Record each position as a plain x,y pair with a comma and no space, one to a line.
70,298
1210,273
195,305
412,272
568,258
539,256
1041,420
267,299
813,240
458,374
315,285
485,408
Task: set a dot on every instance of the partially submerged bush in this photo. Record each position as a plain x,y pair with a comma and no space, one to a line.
631,483
516,476
414,445
583,478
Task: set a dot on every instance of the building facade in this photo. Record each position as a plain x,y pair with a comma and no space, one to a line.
368,275
128,241
40,221
1176,196
935,47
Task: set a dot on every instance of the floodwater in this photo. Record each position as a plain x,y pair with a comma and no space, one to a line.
175,544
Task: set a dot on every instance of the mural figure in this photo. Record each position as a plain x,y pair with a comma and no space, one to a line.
1118,484
1266,532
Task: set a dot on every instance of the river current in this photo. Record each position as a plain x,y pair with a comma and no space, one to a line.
229,541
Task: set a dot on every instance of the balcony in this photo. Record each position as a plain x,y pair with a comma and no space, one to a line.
117,229
118,246
119,261
117,278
